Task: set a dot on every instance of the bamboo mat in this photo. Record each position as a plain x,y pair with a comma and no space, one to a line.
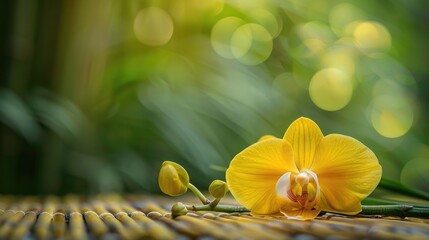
148,217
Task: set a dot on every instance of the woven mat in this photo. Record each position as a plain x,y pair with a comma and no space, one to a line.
148,217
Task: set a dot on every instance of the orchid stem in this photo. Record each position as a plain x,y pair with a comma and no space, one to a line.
215,202
198,193
384,210
218,208
395,210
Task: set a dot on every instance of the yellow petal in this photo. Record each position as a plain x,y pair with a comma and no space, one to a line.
304,135
348,172
301,214
253,174
266,137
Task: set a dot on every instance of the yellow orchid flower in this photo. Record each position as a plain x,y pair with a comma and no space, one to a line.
304,173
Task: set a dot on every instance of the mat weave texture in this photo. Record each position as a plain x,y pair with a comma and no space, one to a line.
148,217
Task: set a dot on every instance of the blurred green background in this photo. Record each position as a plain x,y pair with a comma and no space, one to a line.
95,95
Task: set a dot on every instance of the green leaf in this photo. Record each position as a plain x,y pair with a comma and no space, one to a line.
397,187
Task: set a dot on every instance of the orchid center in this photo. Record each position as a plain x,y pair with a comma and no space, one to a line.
298,191
302,178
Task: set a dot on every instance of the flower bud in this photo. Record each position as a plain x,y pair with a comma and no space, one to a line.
218,188
173,179
178,209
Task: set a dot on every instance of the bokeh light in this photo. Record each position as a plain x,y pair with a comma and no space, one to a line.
341,58
415,173
216,6
371,37
330,89
246,6
391,109
212,7
268,20
153,26
221,35
316,30
312,48
251,44
392,116
342,15
313,38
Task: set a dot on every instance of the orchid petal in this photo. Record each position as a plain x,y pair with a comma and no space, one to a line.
266,137
253,174
301,214
304,135
348,172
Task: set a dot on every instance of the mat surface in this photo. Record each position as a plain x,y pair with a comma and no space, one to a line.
148,217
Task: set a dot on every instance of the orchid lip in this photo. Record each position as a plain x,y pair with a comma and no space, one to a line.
301,189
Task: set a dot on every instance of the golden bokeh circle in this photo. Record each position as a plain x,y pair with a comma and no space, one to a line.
251,44
331,89
222,33
153,26
372,37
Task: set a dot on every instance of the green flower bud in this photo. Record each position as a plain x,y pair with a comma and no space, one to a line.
178,209
173,179
218,188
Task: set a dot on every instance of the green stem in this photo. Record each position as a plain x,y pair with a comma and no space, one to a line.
218,208
377,201
198,193
395,210
215,202
385,210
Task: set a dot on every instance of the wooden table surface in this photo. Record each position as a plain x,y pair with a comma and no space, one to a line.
148,217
